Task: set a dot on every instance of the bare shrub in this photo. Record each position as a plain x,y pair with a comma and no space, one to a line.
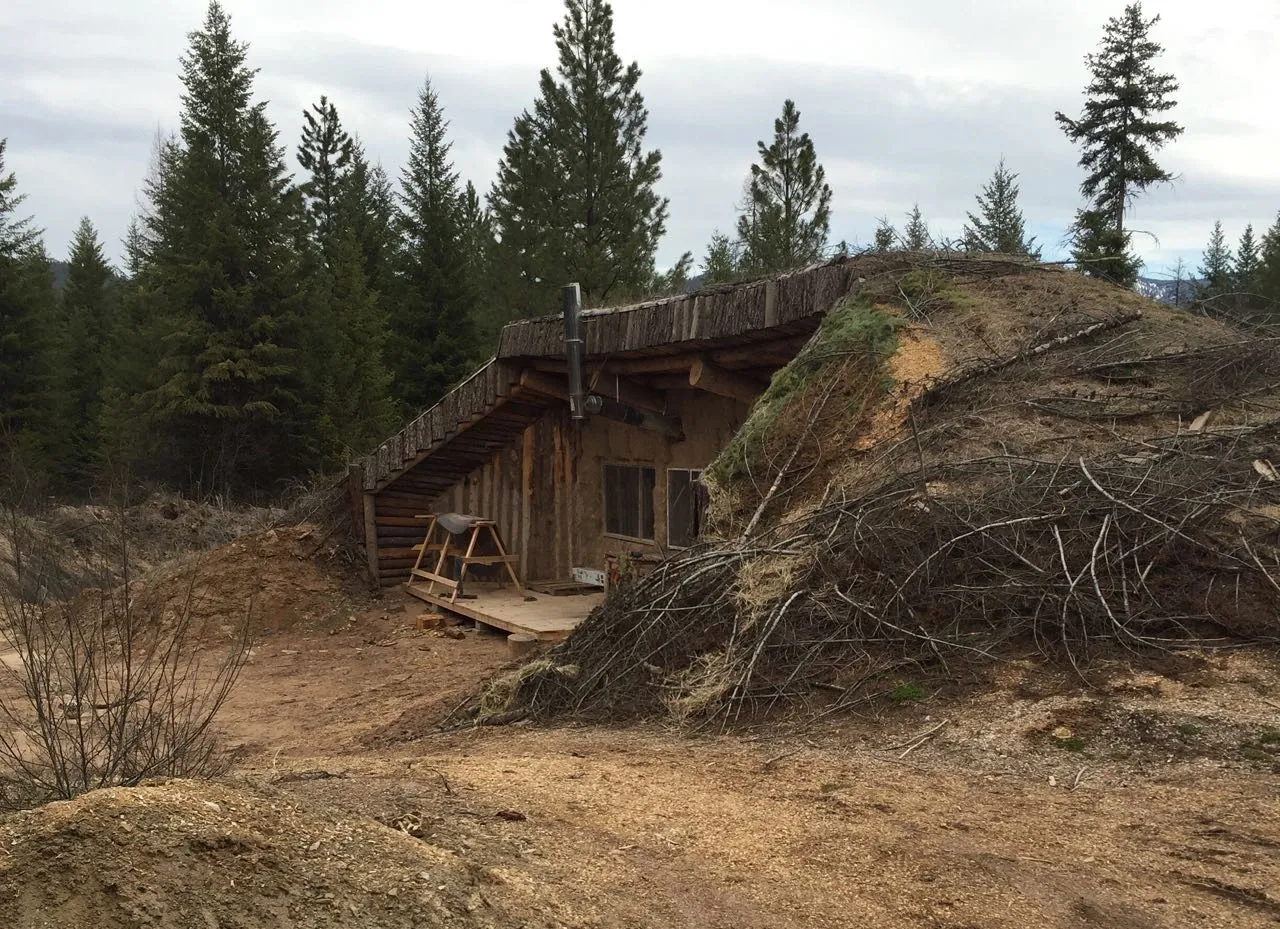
99,691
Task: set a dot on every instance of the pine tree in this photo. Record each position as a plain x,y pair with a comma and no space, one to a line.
721,263
999,227
230,408
671,282
1102,251
1118,130
434,315
1215,271
916,236
789,215
574,199
362,409
1244,271
369,210
1268,276
90,299
26,361
326,154
886,236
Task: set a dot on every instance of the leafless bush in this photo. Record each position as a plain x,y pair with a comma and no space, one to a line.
98,691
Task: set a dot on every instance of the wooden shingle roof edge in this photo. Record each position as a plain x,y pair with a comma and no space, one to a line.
718,312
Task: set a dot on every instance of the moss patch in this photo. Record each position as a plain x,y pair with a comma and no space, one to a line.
854,329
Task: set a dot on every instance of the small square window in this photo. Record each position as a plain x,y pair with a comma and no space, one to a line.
628,501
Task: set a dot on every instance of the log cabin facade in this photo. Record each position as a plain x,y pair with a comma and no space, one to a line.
673,380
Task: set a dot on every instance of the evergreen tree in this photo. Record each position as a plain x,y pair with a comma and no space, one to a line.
362,409
221,272
721,263
89,301
1268,276
574,199
999,227
671,282
434,315
26,360
1102,251
1244,271
1215,271
916,236
886,236
789,215
1119,130
369,210
326,154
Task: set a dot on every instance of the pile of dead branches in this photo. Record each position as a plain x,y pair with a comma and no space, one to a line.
1106,481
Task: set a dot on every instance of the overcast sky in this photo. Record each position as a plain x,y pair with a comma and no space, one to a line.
908,101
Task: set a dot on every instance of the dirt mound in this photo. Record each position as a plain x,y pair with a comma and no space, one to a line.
973,460
276,575
68,548
185,854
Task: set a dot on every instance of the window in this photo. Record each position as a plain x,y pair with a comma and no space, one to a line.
628,501
686,495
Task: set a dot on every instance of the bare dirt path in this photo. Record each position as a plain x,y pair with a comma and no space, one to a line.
643,827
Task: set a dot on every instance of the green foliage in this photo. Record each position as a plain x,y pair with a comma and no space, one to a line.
916,236
1244,270
90,306
361,408
886,236
433,314
1070,743
855,327
788,206
999,227
1268,277
574,199
722,262
1216,269
1119,130
906,692
26,314
1101,250
325,154
221,282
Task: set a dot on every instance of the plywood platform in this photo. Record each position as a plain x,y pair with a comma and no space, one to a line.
548,617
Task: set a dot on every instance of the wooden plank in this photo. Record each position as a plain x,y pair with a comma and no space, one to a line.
488,559
547,618
526,498
371,535
435,578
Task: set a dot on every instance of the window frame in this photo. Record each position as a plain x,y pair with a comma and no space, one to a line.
604,501
693,481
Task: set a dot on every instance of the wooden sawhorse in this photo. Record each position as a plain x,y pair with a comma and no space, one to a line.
465,556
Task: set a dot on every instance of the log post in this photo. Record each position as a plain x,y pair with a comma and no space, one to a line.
709,377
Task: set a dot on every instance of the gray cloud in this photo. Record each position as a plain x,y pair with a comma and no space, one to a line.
84,91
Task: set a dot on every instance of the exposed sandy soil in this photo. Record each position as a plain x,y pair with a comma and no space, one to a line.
995,819
992,821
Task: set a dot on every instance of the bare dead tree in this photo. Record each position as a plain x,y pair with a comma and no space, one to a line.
103,689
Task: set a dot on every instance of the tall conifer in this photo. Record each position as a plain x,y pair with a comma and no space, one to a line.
230,406
433,318
574,199
788,217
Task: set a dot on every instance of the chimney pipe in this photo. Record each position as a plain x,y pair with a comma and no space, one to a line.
571,300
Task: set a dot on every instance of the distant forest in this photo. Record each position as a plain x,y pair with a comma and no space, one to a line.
283,305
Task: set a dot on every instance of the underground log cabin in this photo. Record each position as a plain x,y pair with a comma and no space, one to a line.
658,389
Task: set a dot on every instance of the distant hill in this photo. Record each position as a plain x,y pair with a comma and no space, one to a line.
1174,293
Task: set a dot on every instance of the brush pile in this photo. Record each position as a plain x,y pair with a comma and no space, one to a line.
1081,470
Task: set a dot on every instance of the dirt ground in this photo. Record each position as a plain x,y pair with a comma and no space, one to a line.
1144,800
1030,806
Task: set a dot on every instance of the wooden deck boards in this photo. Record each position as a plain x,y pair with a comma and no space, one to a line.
547,617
